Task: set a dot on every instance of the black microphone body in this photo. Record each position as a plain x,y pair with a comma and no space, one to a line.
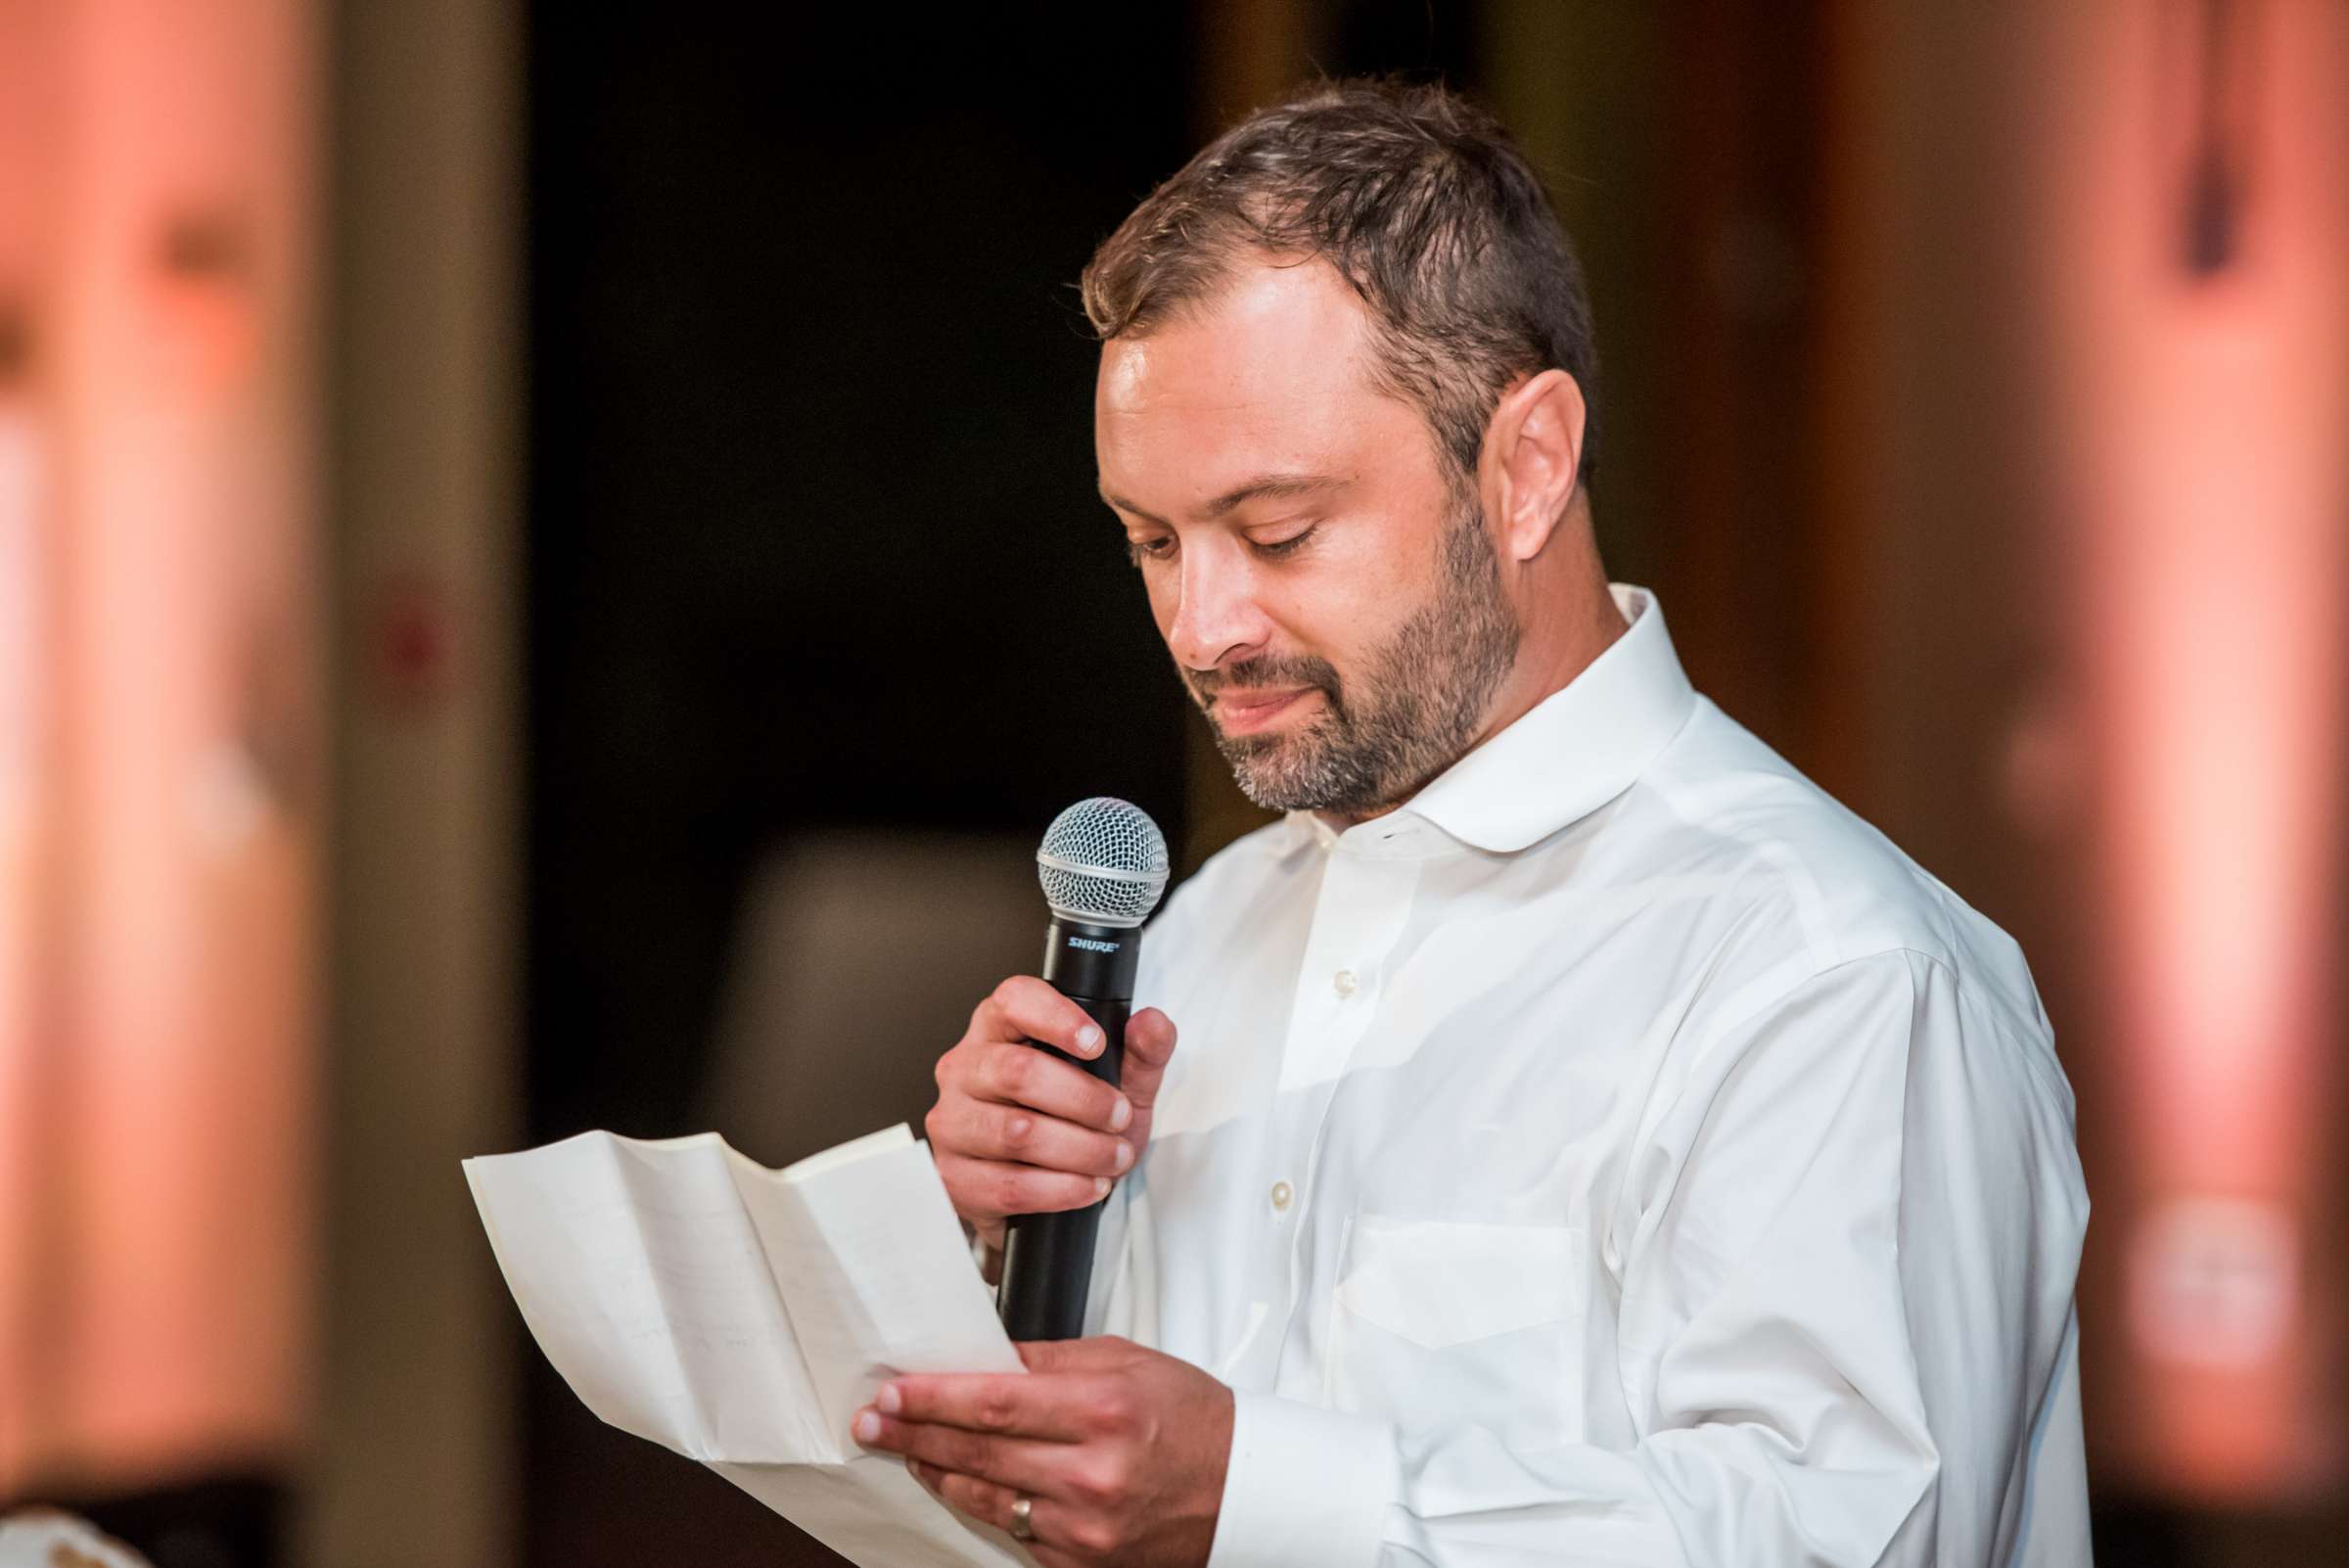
1048,1258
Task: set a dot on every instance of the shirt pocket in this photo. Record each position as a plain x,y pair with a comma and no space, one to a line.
1438,1322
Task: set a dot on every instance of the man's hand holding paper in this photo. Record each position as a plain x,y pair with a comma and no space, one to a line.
1120,1449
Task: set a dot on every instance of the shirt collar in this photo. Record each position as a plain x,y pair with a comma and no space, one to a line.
1574,750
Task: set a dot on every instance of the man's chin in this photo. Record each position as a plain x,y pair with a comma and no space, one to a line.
1269,772
1284,769
1268,794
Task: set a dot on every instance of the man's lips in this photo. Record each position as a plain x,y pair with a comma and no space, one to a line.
1245,712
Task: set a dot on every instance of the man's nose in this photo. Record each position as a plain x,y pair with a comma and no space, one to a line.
1217,617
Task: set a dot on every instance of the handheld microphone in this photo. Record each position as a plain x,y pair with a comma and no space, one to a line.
1103,864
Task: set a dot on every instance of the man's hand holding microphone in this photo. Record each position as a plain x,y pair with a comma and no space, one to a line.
1017,1131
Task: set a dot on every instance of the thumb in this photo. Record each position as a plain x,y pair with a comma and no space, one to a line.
1149,1047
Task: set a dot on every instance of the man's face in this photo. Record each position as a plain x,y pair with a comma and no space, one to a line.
1333,607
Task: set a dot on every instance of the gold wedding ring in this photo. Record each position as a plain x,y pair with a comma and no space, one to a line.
1021,1529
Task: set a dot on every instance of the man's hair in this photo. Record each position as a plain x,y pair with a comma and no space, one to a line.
1421,201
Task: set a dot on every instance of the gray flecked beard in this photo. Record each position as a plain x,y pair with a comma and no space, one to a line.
1408,717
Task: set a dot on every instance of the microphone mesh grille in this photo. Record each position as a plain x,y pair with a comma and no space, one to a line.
1103,861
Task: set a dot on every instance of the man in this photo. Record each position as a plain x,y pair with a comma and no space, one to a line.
1588,1143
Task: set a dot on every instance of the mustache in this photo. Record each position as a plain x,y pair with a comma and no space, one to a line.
1266,669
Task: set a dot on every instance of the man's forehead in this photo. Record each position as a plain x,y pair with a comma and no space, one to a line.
1272,333
1266,376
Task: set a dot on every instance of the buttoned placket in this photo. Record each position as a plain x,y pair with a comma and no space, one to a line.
1359,914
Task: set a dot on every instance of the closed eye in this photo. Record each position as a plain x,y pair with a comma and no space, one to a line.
1276,548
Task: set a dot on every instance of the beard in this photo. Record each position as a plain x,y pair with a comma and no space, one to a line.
1411,713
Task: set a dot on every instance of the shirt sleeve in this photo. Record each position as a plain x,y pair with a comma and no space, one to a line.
1789,1227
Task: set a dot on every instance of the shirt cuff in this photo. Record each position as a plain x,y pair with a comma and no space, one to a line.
1304,1485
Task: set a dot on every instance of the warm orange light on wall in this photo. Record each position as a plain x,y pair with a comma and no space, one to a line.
2203,365
156,1027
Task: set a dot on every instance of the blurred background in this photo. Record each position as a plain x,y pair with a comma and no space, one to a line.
527,529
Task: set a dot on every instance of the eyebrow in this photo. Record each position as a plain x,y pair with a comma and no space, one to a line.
1263,487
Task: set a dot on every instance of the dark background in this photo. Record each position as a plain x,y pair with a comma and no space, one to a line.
812,533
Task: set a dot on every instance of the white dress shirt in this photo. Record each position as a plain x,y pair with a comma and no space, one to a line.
1621,1154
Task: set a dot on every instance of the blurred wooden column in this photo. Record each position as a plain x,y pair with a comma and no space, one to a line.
160,257
2103,501
418,1457
2190,207
31,1058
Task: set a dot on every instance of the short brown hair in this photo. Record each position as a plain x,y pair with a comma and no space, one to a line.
1421,200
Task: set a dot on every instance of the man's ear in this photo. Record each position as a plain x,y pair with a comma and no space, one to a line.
1532,450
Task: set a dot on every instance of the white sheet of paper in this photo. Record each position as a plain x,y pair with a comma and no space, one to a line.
741,1316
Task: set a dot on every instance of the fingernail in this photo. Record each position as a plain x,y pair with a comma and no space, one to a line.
1089,1040
1120,1114
1100,1187
1125,1154
868,1426
887,1398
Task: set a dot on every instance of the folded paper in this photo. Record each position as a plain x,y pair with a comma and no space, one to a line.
742,1315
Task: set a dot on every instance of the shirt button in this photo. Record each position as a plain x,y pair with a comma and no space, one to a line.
1280,1197
1345,981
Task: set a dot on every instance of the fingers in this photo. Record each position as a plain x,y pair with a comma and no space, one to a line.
1033,1010
1022,1130
1072,1441
1021,1074
1025,1464
986,1191
1027,1406
975,1499
1015,1133
1149,1039
1149,1047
